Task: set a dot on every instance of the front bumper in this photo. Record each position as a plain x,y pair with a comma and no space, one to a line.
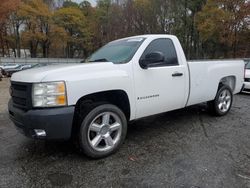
246,87
56,122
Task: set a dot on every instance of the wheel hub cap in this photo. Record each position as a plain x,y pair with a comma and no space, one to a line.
105,131
225,101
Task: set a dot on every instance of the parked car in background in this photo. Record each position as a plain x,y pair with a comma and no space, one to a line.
247,78
6,66
1,74
9,68
10,71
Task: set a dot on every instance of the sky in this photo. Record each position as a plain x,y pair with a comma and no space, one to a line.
93,2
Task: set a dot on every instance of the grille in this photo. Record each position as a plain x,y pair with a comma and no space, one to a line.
21,95
247,79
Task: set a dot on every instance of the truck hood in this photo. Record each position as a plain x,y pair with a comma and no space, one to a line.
66,72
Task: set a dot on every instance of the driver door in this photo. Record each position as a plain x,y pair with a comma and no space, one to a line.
162,87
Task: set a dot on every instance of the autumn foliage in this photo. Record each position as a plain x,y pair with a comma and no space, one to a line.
224,26
7,7
60,28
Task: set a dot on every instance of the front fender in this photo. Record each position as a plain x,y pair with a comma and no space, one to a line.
99,82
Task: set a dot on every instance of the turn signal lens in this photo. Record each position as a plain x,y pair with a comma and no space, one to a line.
61,100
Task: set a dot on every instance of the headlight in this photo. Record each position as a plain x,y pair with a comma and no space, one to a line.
50,94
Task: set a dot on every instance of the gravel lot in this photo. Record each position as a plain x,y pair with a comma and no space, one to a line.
186,148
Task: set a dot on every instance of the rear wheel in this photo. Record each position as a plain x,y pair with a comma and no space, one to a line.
102,131
223,101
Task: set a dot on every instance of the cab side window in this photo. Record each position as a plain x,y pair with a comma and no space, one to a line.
166,47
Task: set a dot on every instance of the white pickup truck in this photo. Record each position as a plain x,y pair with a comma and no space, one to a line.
125,80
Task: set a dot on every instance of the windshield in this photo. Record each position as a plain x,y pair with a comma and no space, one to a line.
118,52
248,66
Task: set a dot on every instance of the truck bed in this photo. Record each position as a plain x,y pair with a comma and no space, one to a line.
206,74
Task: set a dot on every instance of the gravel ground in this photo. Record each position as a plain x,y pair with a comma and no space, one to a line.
187,148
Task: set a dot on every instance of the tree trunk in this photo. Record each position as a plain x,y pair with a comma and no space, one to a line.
18,43
7,47
2,45
185,27
45,46
44,51
14,51
235,42
33,49
192,38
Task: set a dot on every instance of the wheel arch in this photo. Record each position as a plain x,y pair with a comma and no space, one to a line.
116,97
230,81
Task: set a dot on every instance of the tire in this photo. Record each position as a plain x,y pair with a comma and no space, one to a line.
102,131
223,101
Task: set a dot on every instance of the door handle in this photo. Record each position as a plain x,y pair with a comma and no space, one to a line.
177,74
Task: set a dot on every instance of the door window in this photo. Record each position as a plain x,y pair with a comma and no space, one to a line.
166,47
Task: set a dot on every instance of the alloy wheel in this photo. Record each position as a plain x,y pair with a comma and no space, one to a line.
105,131
224,101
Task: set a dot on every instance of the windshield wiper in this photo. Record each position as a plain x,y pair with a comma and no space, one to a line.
100,60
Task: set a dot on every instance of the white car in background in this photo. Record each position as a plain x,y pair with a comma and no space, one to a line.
247,78
6,66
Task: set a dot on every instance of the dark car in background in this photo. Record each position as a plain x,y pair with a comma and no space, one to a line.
1,74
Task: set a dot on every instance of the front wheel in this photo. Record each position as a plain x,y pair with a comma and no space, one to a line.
102,131
223,101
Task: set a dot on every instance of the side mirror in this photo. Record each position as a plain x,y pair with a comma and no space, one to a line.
152,59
